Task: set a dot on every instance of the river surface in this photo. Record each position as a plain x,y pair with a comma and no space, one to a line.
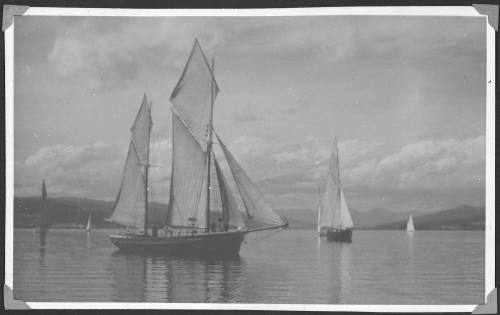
292,266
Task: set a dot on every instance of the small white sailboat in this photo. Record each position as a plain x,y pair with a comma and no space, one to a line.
89,223
409,225
334,218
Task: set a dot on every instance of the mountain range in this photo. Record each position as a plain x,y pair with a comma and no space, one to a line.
75,211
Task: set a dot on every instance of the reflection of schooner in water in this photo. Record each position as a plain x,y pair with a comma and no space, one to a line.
334,218
192,225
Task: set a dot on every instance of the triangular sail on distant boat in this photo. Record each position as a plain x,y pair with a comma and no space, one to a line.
260,213
130,205
88,228
342,218
409,225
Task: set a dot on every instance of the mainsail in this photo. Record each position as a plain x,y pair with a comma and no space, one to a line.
409,225
189,175
131,203
334,212
259,212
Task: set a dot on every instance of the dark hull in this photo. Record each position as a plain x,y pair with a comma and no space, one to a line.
339,236
213,244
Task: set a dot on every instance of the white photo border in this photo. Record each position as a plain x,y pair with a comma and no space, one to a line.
372,11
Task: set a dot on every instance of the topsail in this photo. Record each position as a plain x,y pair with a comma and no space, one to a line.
194,94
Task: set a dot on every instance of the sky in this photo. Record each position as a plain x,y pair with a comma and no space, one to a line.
404,95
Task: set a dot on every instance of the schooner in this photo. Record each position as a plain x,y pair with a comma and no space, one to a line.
198,186
334,219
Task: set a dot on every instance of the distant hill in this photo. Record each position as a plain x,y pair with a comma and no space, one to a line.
459,218
75,211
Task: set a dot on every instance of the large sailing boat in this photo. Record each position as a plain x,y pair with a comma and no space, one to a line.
409,225
334,218
203,216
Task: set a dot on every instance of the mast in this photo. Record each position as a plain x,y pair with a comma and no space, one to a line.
146,175
209,147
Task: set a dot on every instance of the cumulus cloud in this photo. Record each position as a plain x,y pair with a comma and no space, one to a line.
448,165
92,171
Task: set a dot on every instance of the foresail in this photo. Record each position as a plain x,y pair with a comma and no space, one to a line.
232,214
345,216
130,204
189,179
194,94
259,212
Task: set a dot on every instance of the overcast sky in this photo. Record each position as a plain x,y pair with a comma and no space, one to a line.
404,95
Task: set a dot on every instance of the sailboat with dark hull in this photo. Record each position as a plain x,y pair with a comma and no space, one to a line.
203,216
334,218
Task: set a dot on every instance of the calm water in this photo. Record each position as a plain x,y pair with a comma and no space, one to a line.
379,267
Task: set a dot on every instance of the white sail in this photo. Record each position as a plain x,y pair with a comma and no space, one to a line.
194,94
409,225
189,179
259,212
89,223
334,210
342,218
130,205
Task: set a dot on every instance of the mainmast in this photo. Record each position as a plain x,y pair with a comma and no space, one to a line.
209,147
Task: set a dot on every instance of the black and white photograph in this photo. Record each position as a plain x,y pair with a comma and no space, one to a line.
312,159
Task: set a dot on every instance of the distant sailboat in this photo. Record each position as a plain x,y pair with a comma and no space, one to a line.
409,225
334,218
88,228
197,182
43,219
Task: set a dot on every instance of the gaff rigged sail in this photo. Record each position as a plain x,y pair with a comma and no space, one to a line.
130,204
189,179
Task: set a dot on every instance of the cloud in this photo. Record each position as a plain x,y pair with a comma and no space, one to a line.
447,165
92,171
247,114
